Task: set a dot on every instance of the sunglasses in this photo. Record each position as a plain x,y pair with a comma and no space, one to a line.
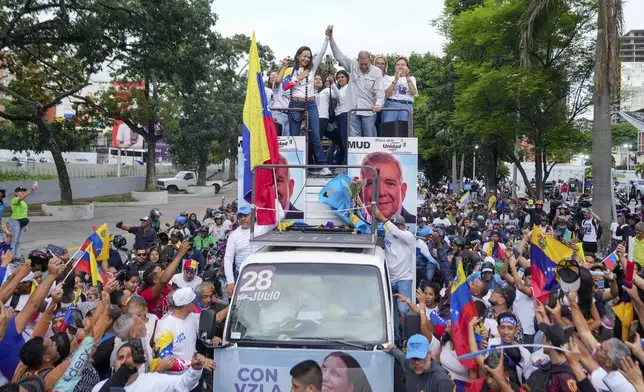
141,254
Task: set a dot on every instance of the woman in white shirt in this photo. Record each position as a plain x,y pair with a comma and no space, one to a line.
299,82
400,91
323,95
339,92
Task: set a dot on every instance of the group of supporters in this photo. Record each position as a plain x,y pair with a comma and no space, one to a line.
349,103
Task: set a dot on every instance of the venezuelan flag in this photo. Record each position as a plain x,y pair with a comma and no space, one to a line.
440,324
259,141
104,236
462,311
545,253
163,348
496,251
95,269
466,198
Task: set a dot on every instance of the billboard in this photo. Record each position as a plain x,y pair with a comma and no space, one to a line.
397,159
268,370
122,135
290,183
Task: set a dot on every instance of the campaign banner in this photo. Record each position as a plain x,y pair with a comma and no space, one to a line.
397,159
290,183
268,369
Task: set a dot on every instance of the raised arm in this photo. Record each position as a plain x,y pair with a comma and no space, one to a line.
318,58
172,268
55,267
344,61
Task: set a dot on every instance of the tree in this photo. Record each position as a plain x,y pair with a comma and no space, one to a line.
168,50
50,49
500,97
624,134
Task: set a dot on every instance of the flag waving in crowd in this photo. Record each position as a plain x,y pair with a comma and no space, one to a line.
259,142
545,253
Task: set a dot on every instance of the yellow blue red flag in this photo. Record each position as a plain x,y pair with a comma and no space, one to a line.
259,141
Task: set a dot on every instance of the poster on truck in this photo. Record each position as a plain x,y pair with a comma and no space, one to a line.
268,370
290,183
397,159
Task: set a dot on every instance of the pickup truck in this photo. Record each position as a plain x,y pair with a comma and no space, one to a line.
182,179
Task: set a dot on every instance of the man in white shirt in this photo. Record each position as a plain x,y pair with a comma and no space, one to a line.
400,250
220,228
441,219
238,246
188,277
182,323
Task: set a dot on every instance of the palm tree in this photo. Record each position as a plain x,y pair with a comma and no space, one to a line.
609,27
639,170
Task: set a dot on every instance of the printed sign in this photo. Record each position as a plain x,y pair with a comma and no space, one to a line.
397,159
268,370
255,284
290,183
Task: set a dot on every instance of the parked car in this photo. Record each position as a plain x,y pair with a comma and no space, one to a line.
181,181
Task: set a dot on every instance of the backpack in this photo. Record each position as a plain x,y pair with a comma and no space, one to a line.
538,381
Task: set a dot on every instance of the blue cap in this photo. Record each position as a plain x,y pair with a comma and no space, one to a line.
180,219
417,347
244,210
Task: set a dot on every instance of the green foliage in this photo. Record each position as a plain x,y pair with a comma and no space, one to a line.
624,134
6,176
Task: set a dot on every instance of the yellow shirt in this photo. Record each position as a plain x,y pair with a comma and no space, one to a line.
492,204
638,252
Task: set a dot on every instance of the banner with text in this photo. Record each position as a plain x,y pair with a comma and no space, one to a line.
397,159
290,183
267,370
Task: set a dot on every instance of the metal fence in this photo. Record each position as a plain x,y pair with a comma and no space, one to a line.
45,170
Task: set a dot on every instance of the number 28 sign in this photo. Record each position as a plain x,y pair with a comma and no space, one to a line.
255,284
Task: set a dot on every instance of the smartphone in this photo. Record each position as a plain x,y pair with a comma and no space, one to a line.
632,330
36,184
600,284
56,250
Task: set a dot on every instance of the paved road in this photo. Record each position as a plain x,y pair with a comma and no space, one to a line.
71,234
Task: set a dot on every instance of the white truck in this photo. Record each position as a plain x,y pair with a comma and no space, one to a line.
312,293
182,179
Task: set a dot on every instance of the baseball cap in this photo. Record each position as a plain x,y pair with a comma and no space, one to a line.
569,276
33,384
397,219
244,210
145,218
20,189
554,334
493,212
183,296
417,347
508,292
190,265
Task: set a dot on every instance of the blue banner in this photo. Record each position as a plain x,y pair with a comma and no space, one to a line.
268,370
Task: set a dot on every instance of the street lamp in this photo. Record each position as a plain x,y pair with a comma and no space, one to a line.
628,153
474,164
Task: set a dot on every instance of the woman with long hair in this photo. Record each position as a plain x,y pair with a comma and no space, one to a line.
323,97
299,82
339,92
342,373
400,92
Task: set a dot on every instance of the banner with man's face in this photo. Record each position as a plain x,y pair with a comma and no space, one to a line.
397,159
290,183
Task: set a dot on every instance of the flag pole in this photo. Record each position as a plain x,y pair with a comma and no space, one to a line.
74,266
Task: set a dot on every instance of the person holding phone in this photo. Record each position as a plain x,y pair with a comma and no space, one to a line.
19,220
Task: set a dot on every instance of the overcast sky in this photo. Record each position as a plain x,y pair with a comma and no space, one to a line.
374,25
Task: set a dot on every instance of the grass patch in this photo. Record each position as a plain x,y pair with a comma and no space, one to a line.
148,190
20,176
76,202
127,198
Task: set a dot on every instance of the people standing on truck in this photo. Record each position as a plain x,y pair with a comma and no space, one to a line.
422,372
238,246
400,91
326,100
365,89
339,90
279,100
145,237
299,82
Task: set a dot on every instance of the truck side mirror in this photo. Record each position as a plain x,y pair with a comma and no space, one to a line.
207,324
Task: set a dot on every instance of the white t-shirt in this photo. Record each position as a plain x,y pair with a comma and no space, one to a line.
400,252
449,361
181,282
160,382
184,333
124,135
340,94
401,90
524,309
590,234
219,232
444,221
279,98
323,99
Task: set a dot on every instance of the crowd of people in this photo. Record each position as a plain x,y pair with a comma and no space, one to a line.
362,88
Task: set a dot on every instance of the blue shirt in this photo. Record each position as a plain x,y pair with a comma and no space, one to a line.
10,350
496,279
2,207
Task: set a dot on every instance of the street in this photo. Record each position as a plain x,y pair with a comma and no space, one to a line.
71,234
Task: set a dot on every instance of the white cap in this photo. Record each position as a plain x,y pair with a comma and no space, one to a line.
28,278
490,259
183,296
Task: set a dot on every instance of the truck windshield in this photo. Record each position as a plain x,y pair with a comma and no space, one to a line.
305,301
